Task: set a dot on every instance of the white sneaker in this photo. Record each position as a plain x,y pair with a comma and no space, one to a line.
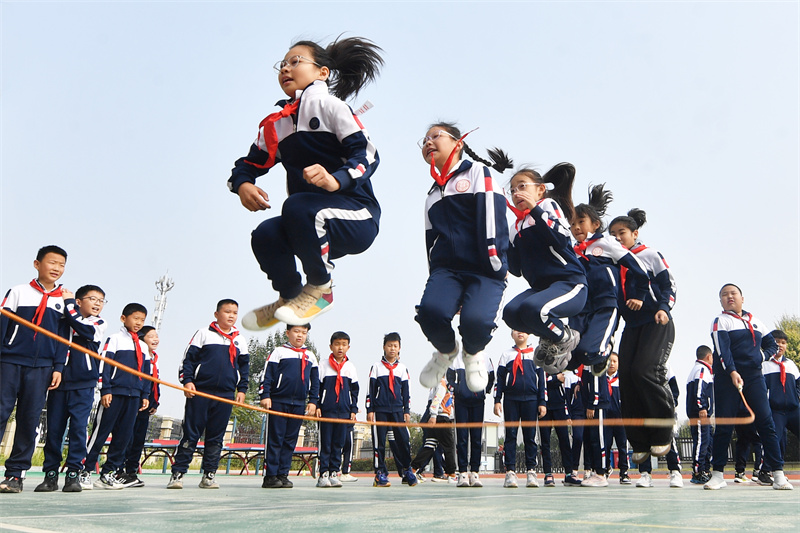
511,480
475,372
420,477
645,481
532,481
475,480
86,480
348,478
334,480
463,480
716,482
323,481
108,481
175,481
435,369
208,481
594,481
452,480
675,479
779,481
312,301
587,474
262,317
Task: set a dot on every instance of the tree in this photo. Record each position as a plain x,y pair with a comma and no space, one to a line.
790,324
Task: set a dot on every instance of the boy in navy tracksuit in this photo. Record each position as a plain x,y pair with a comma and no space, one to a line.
741,344
389,401
556,396
783,388
597,401
523,385
616,433
30,364
700,406
122,396
338,399
72,400
215,362
577,411
291,377
469,407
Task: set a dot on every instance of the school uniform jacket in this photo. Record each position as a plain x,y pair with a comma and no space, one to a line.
19,344
595,390
381,399
440,403
601,257
700,390
740,342
661,295
541,248
527,383
207,362
154,395
346,402
120,348
291,376
574,394
82,371
457,378
556,394
614,409
323,130
782,396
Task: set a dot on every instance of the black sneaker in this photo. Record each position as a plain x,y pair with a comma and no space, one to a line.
624,479
50,483
285,483
739,477
271,482
72,483
764,479
11,484
130,480
571,481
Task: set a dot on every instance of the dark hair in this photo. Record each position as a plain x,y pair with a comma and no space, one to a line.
778,334
226,301
599,198
131,308
634,220
389,337
499,159
50,249
339,335
731,285
144,331
562,176
702,351
307,326
353,62
86,289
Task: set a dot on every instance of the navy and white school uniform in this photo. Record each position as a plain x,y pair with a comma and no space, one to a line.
700,397
521,389
127,392
783,387
315,225
389,399
541,251
467,241
644,350
573,385
596,397
217,363
291,378
441,435
742,343
142,424
469,407
556,396
338,399
27,363
601,256
72,401
617,433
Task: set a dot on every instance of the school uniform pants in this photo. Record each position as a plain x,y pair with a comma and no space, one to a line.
786,419
73,407
702,435
594,440
539,312
136,444
476,296
316,228
617,434
644,392
25,387
399,441
596,335
116,420
579,442
438,454
562,433
282,433
433,438
347,449
726,402
515,411
332,437
747,438
672,457
468,440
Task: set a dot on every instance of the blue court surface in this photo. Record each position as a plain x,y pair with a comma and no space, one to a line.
241,504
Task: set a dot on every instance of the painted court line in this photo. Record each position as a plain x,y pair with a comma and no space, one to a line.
23,529
627,524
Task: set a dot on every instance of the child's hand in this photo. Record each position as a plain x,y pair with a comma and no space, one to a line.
407,418
253,198
67,294
661,317
542,411
55,380
703,414
353,417
239,397
105,400
311,409
370,417
737,380
319,413
498,409
590,414
145,404
634,304
317,175
266,403
191,387
153,410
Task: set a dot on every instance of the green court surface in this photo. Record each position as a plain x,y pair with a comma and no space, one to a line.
241,504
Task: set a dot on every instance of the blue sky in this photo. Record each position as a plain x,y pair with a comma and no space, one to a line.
121,121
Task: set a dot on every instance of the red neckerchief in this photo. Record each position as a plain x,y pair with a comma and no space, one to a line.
390,367
138,348
519,213
610,381
518,363
38,315
271,135
624,271
230,337
581,246
155,375
338,367
747,318
303,359
439,179
780,363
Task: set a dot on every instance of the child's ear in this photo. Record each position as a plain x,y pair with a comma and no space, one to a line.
324,73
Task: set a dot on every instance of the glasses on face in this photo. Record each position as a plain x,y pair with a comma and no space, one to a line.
292,63
422,142
95,300
521,187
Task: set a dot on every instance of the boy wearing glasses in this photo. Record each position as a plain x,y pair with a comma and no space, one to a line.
72,400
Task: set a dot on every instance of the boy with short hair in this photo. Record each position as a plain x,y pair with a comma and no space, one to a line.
700,405
291,377
389,401
783,388
30,364
615,432
122,396
72,401
338,399
215,362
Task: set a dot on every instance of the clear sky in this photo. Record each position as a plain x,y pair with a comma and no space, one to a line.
121,121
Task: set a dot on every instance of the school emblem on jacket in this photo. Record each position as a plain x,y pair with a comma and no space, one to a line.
597,251
463,185
313,123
